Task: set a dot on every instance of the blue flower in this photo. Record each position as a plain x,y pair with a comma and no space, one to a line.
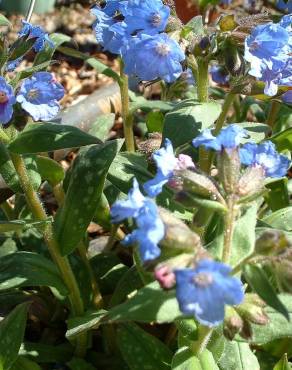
151,57
130,207
7,99
205,290
266,156
287,97
36,32
112,7
151,16
229,138
13,64
219,74
150,229
39,96
282,5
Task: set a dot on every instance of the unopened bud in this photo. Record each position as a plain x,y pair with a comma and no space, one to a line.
233,323
251,182
246,331
271,242
227,23
174,24
228,164
283,270
253,313
199,184
165,276
178,236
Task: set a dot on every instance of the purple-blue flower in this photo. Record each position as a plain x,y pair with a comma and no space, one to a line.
219,74
7,99
287,97
36,32
286,6
13,64
151,16
39,96
151,57
150,229
205,290
266,156
166,163
229,138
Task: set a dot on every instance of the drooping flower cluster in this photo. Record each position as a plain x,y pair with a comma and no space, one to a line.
38,96
133,29
268,50
264,155
205,290
150,228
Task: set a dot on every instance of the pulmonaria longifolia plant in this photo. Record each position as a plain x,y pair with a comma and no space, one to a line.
192,202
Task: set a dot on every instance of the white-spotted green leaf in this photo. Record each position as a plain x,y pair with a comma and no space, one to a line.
238,356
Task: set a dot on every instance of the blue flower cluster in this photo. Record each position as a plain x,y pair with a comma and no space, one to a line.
269,49
134,29
150,229
143,210
38,95
264,155
286,6
205,290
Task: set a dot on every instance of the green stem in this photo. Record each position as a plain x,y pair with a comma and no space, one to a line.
8,210
127,116
67,274
246,260
203,80
200,345
97,297
273,113
225,108
228,229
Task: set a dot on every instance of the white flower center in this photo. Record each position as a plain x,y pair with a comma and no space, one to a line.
162,49
3,97
33,93
203,279
156,19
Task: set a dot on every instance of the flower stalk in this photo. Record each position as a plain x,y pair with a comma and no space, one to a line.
204,336
63,264
127,115
229,223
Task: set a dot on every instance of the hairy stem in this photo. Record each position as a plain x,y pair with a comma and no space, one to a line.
67,274
225,109
30,10
126,114
273,113
203,80
200,345
228,229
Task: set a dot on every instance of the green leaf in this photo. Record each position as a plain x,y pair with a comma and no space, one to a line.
29,72
83,194
258,280
29,269
150,304
47,53
196,25
277,328
184,359
11,335
46,137
283,364
141,350
45,353
154,121
4,21
257,131
238,356
187,120
283,140
20,47
90,320
281,219
50,170
278,196
139,102
7,226
94,63
101,127
23,363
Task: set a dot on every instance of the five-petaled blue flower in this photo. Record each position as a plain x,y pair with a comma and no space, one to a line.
150,229
36,32
153,56
229,138
7,99
266,156
205,290
39,95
